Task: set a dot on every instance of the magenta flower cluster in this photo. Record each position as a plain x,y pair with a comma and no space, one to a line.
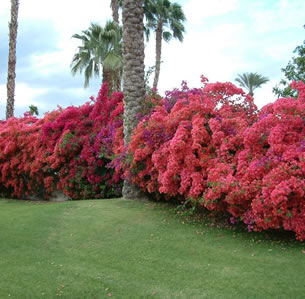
213,146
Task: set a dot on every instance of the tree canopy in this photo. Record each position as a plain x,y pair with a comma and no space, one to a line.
166,20
251,81
294,71
101,49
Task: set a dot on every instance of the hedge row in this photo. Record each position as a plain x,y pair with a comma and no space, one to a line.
215,149
208,146
68,149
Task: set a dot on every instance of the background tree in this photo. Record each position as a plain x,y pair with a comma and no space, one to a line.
101,50
294,71
251,81
115,5
33,110
133,74
115,10
11,72
166,20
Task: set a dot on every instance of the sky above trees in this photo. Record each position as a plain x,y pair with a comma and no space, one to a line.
223,38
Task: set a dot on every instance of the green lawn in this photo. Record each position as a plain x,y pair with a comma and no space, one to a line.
137,249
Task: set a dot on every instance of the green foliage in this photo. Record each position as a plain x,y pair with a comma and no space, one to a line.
69,142
166,20
170,15
294,71
188,208
148,73
101,49
251,81
33,110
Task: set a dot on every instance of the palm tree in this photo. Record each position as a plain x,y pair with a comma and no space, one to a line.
251,81
115,10
11,72
133,73
166,20
101,49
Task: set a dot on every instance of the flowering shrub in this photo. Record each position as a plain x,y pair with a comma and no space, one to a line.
83,147
68,149
174,150
271,171
23,165
210,146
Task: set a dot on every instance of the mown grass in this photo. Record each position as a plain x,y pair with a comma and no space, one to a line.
138,249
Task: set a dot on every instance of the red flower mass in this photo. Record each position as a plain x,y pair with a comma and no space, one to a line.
209,146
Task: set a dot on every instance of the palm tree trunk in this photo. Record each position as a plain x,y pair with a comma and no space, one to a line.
133,74
158,54
117,80
107,78
115,10
11,72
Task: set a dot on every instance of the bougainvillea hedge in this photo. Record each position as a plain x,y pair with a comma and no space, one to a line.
212,147
67,150
209,146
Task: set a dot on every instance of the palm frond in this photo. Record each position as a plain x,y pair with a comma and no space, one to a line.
167,36
113,62
147,32
251,81
100,45
169,14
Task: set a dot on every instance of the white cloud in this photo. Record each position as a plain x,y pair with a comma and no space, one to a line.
281,50
197,10
70,13
206,53
5,7
49,63
24,95
282,15
78,92
68,17
56,61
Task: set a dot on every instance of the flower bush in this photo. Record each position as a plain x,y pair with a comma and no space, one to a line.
211,146
67,150
83,147
173,150
271,171
23,158
208,146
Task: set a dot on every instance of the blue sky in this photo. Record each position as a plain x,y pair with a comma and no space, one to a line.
223,38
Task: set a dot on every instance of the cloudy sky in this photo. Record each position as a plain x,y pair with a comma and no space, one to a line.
223,38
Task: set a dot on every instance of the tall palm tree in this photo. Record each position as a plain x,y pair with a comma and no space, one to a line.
133,73
101,50
115,5
11,72
115,10
166,20
251,81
